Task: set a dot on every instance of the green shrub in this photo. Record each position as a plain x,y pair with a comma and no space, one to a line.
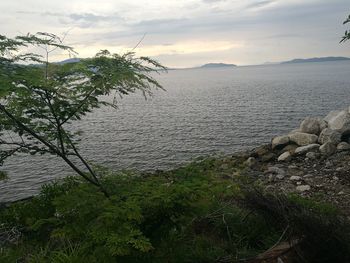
191,214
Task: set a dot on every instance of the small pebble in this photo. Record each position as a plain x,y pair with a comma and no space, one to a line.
280,176
295,178
308,175
328,164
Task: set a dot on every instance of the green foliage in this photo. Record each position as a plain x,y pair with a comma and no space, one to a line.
195,213
184,215
39,101
347,32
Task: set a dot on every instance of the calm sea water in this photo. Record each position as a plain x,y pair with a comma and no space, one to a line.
202,112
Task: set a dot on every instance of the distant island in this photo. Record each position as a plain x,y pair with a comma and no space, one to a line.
69,60
217,65
307,60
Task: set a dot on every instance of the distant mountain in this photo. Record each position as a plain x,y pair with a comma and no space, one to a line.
324,59
217,65
271,63
69,60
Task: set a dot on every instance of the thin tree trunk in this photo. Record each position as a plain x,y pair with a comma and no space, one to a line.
55,150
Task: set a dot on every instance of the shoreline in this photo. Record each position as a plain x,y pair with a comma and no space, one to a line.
312,160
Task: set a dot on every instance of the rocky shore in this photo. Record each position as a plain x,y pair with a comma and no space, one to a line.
313,160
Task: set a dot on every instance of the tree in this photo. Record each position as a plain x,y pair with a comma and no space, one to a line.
347,33
39,100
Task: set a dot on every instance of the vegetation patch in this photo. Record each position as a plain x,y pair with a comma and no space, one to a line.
197,213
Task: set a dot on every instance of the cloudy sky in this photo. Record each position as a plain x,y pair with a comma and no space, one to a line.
183,33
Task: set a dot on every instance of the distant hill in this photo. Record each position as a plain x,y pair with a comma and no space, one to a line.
271,63
323,59
69,60
217,65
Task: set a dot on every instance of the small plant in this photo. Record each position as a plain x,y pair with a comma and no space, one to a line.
347,32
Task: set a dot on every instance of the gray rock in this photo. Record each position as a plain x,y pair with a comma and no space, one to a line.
285,157
307,148
303,139
303,188
327,148
329,164
331,115
274,170
250,162
290,148
261,150
295,178
280,176
280,141
308,176
268,157
323,124
343,146
310,125
294,131
339,121
311,155
329,135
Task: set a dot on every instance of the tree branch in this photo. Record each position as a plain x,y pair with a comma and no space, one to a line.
48,144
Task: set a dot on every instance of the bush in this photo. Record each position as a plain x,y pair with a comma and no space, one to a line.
321,232
190,214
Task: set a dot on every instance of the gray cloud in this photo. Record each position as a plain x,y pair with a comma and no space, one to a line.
212,1
83,20
285,29
260,4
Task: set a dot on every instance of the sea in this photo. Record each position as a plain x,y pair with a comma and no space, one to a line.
201,112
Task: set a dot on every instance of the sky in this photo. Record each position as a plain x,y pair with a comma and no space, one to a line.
186,33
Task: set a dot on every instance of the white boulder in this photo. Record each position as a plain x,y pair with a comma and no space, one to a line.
279,141
329,135
323,124
310,125
302,138
328,148
295,178
339,121
308,148
311,155
331,115
343,146
303,188
285,157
